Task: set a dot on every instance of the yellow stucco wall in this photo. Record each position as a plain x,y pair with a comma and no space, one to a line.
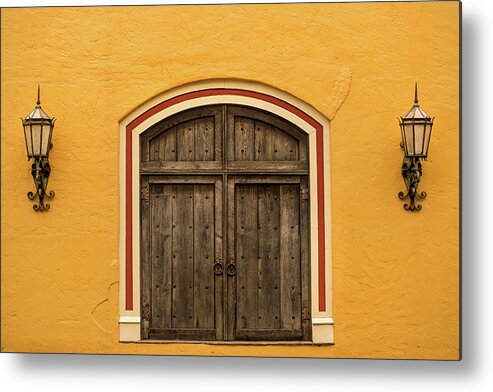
395,273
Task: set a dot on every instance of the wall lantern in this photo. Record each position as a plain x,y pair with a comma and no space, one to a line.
416,133
38,129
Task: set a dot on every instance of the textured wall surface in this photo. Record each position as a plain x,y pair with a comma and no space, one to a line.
395,273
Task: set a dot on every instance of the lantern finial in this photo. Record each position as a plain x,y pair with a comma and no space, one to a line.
416,94
38,102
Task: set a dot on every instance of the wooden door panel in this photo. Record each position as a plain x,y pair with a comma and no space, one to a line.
204,139
182,259
161,253
246,212
192,140
244,141
268,217
185,141
272,144
266,227
189,140
290,258
163,146
185,240
203,249
260,141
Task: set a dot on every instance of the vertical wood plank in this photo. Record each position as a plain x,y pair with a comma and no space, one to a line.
220,131
219,256
243,139
268,256
182,305
185,141
203,245
144,149
162,145
167,255
145,298
305,257
246,256
229,142
285,147
154,149
161,248
303,148
167,148
230,281
264,142
156,264
204,139
290,258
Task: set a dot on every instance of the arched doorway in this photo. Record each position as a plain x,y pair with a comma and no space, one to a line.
276,103
225,227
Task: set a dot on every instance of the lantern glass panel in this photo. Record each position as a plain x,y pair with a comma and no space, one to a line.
36,137
409,138
427,136
27,135
419,133
45,139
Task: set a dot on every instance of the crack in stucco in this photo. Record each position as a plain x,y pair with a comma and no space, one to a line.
339,92
99,305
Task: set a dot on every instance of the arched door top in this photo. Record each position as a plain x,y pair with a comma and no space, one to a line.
251,139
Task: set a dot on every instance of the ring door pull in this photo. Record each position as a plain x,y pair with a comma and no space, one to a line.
218,267
231,268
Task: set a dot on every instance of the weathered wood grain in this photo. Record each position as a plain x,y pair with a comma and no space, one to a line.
161,256
183,248
243,139
246,210
290,256
242,168
268,217
145,256
203,249
305,258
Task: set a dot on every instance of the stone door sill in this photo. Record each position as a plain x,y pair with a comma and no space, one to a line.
233,342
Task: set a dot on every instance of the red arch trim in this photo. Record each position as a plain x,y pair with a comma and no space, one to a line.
214,92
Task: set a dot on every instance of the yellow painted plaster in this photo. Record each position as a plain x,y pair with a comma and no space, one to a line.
395,273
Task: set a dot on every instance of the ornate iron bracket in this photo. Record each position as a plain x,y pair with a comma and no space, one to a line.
411,173
40,171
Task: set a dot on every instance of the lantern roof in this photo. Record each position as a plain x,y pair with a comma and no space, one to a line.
416,112
38,113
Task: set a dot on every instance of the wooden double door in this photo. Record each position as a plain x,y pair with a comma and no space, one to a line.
225,236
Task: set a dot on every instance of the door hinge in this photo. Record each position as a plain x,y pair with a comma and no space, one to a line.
304,193
305,314
144,194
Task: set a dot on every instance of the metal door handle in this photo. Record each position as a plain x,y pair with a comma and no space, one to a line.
218,267
231,269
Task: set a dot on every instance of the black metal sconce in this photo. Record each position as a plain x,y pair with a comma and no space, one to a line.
38,129
416,128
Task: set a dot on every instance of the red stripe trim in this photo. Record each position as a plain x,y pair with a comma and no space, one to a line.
321,220
213,92
129,301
